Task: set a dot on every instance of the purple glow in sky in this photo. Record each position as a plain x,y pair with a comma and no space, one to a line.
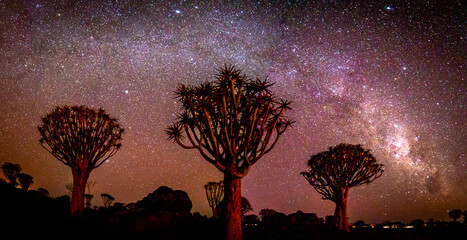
389,75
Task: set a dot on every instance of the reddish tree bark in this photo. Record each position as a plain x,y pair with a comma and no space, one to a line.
340,221
214,212
232,214
79,187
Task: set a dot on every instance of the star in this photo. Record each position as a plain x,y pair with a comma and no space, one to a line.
388,76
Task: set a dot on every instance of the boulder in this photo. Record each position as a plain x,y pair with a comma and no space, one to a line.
166,199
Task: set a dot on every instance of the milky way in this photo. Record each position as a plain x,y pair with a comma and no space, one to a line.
388,75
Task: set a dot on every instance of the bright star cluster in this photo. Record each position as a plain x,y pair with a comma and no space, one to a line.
386,74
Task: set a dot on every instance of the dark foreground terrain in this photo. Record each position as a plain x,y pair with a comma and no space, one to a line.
166,214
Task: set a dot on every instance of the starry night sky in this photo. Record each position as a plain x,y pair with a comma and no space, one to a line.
388,75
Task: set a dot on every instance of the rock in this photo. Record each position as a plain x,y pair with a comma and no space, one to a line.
166,199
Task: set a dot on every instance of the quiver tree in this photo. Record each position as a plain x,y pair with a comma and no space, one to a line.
83,139
332,173
455,214
107,199
25,181
232,122
214,194
88,198
11,171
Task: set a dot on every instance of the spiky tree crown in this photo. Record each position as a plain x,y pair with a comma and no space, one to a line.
232,121
342,166
80,137
214,193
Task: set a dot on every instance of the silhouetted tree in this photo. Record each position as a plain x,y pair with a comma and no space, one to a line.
264,213
232,122
418,223
464,213
359,224
251,220
11,171
214,194
83,139
332,173
245,206
69,187
88,198
25,181
455,214
89,186
430,223
107,199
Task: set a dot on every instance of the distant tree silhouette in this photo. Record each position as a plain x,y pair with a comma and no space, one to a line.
232,122
332,173
245,206
214,194
11,171
69,187
107,199
359,224
455,214
25,181
89,186
83,139
418,223
264,213
88,198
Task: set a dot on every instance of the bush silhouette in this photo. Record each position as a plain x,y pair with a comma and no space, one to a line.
11,171
455,214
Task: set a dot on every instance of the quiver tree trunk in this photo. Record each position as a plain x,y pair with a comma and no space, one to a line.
77,199
214,212
340,221
232,210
